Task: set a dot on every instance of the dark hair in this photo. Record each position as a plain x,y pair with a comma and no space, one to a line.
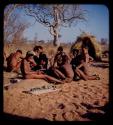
64,59
84,46
20,51
75,50
86,42
28,54
36,48
43,57
60,48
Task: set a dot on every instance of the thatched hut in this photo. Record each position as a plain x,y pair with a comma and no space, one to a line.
92,44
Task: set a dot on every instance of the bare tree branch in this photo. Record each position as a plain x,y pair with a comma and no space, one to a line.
55,15
13,23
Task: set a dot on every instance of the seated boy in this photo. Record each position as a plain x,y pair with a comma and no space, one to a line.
86,55
58,56
54,70
87,58
14,61
75,62
66,69
82,70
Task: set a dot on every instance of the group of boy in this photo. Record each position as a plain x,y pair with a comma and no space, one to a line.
35,65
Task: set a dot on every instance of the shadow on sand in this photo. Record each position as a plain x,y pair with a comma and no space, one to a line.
97,116
10,117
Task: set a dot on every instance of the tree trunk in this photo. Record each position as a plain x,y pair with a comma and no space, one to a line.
55,33
56,26
55,41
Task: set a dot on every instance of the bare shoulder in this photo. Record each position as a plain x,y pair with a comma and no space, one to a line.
25,62
13,57
56,56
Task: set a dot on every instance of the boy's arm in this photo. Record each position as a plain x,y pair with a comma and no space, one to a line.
91,58
17,66
79,66
14,62
27,71
5,57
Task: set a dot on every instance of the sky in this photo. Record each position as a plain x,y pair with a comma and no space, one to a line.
97,24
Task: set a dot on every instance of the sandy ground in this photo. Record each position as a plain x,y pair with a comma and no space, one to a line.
73,102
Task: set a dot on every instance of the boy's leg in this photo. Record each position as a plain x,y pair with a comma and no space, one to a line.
59,74
52,79
85,77
86,68
86,72
16,68
43,76
68,80
68,71
81,74
92,77
35,76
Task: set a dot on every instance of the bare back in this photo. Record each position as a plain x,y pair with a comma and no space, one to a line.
25,67
68,70
13,63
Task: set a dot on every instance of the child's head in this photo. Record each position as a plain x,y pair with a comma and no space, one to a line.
29,56
38,49
85,49
60,49
19,53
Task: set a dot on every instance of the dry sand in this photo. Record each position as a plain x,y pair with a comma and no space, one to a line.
72,103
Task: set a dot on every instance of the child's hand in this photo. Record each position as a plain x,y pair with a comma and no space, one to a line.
40,72
90,61
33,62
43,62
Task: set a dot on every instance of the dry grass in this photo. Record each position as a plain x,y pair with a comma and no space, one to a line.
49,49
